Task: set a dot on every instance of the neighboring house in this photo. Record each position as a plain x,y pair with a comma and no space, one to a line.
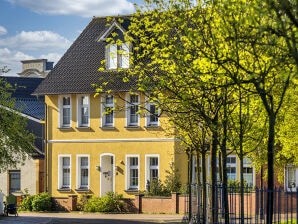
101,144
27,178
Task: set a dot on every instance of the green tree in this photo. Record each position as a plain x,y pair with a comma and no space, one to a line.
16,142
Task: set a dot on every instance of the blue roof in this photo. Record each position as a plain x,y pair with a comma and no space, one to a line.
28,104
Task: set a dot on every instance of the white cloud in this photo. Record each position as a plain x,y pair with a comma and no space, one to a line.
83,8
36,40
2,30
12,59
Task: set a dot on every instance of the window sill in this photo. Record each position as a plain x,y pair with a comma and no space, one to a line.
152,126
132,127
132,191
64,190
65,128
85,190
83,127
108,127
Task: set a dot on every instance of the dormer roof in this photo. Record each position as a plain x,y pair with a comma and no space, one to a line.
79,67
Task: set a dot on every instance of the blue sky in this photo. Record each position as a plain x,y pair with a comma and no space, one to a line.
34,29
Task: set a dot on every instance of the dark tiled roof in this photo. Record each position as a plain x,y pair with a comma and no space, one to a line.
28,104
78,68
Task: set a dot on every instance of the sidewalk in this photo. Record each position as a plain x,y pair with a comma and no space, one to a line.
86,218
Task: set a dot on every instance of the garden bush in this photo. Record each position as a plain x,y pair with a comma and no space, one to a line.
109,203
27,203
42,202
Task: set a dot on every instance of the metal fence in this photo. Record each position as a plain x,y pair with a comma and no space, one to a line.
248,205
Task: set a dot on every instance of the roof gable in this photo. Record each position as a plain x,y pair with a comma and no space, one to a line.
79,67
105,34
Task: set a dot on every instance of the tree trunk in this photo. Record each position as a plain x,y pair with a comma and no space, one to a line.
270,161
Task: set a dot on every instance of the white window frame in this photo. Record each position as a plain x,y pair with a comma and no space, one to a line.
129,105
61,111
232,165
291,180
148,121
247,164
79,171
14,180
80,106
128,184
60,171
104,115
148,167
118,56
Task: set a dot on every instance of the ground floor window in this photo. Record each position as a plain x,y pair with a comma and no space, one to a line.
64,175
152,168
14,181
132,172
291,178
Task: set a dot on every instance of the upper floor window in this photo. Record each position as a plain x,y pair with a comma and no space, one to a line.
132,110
152,114
65,111
117,56
108,111
83,111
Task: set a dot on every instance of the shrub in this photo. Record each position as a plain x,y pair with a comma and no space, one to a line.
26,204
42,202
108,203
82,201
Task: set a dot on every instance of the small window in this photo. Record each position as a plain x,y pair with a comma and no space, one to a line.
117,56
14,181
108,111
133,109
83,111
64,175
133,173
65,111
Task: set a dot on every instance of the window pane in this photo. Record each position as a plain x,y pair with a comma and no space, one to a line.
14,181
84,177
110,100
112,56
66,177
124,56
291,177
66,101
153,113
66,161
84,115
66,116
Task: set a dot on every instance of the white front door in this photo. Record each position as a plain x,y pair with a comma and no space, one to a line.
106,173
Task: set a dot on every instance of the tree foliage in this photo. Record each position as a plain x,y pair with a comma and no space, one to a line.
16,142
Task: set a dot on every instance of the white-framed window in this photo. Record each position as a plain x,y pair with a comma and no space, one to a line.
117,56
152,168
107,111
248,175
133,116
231,167
14,181
291,178
64,111
152,114
64,171
83,175
83,110
133,174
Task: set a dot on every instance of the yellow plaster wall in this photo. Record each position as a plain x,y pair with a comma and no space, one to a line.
168,150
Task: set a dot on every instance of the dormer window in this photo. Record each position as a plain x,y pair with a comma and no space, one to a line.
117,56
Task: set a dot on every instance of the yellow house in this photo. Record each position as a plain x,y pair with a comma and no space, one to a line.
103,143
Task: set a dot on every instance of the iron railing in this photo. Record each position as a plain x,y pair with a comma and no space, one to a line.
246,205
